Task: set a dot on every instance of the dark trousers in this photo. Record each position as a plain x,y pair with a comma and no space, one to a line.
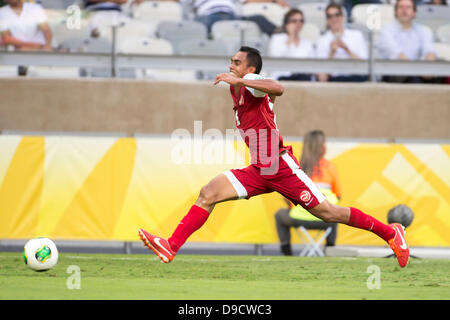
296,77
350,78
264,24
284,222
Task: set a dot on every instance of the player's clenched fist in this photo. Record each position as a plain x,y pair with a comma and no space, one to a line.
228,78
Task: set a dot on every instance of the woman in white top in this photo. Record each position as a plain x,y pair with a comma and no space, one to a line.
339,42
289,44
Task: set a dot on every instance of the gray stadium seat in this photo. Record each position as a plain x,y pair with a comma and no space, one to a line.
235,31
207,48
310,31
373,15
314,13
57,4
61,33
98,45
272,11
433,16
443,51
443,33
262,45
177,31
158,11
143,45
202,47
74,44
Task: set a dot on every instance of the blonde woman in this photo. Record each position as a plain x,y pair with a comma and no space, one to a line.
324,174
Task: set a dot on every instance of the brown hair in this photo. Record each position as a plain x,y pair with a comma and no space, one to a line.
289,14
312,151
334,5
413,3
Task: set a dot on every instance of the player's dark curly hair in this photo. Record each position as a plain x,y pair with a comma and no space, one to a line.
253,58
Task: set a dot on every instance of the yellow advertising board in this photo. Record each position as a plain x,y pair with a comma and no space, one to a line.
105,188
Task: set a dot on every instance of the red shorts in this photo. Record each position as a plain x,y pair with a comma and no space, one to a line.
289,180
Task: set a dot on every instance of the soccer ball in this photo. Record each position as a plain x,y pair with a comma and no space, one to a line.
40,254
401,214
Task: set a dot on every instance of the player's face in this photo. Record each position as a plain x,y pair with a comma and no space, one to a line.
405,11
239,65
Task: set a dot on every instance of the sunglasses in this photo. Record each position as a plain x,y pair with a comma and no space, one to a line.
335,15
296,21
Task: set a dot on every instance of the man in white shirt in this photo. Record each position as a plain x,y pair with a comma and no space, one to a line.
104,14
24,26
340,43
210,11
403,39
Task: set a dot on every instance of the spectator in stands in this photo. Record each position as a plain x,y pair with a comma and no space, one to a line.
24,26
103,13
210,11
437,2
324,174
404,39
288,44
339,42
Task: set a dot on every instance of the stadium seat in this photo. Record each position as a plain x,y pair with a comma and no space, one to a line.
310,31
131,27
55,15
215,47
312,244
261,44
433,16
177,31
295,3
73,44
373,15
443,50
143,45
272,11
158,11
57,4
61,33
236,31
443,33
360,27
314,13
98,45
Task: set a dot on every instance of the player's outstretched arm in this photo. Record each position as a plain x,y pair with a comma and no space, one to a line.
272,87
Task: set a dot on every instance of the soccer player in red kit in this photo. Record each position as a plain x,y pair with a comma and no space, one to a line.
273,167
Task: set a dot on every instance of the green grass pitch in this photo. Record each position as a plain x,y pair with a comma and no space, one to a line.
115,276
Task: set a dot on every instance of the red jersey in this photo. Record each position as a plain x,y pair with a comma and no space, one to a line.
255,120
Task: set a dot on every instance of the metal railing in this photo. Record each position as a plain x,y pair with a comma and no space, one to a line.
371,67
115,61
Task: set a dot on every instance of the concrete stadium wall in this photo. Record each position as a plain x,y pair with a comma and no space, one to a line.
128,106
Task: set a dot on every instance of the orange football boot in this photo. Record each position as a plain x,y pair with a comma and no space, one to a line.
159,246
